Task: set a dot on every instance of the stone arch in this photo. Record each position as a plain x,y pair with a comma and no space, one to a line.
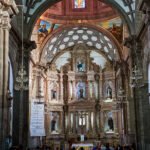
45,5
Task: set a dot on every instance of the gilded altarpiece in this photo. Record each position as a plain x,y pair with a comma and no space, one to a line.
80,98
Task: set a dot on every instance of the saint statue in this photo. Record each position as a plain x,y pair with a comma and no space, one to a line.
53,124
109,92
110,123
54,121
81,90
81,93
80,66
53,94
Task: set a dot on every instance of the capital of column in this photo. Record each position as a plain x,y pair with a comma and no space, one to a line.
10,6
29,45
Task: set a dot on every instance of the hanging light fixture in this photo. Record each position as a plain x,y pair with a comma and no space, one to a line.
120,100
136,77
22,79
121,93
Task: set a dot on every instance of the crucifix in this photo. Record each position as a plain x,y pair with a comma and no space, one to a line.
82,120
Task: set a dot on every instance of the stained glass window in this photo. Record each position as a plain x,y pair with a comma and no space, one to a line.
79,3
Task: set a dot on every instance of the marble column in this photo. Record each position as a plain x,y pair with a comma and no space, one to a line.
7,9
90,121
77,122
97,118
74,90
69,122
36,81
101,86
61,87
115,122
70,93
65,107
74,122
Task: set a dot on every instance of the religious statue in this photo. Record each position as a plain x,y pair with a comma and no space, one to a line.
53,90
80,66
109,92
81,90
54,121
53,94
81,93
110,123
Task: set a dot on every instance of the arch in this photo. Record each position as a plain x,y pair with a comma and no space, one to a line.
87,27
45,5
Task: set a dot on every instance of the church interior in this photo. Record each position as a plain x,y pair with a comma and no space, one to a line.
74,73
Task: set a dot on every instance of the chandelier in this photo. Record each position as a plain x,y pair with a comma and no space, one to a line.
120,100
121,93
22,78
136,77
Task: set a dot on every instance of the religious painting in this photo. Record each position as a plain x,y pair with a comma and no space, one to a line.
109,123
79,3
80,90
43,30
54,122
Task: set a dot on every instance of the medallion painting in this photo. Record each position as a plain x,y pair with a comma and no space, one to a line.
79,3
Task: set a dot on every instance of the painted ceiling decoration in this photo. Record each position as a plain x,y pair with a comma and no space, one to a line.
69,13
78,35
126,7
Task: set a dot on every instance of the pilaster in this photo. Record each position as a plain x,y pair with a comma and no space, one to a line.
7,10
21,103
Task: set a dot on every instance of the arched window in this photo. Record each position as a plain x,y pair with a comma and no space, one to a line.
79,3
